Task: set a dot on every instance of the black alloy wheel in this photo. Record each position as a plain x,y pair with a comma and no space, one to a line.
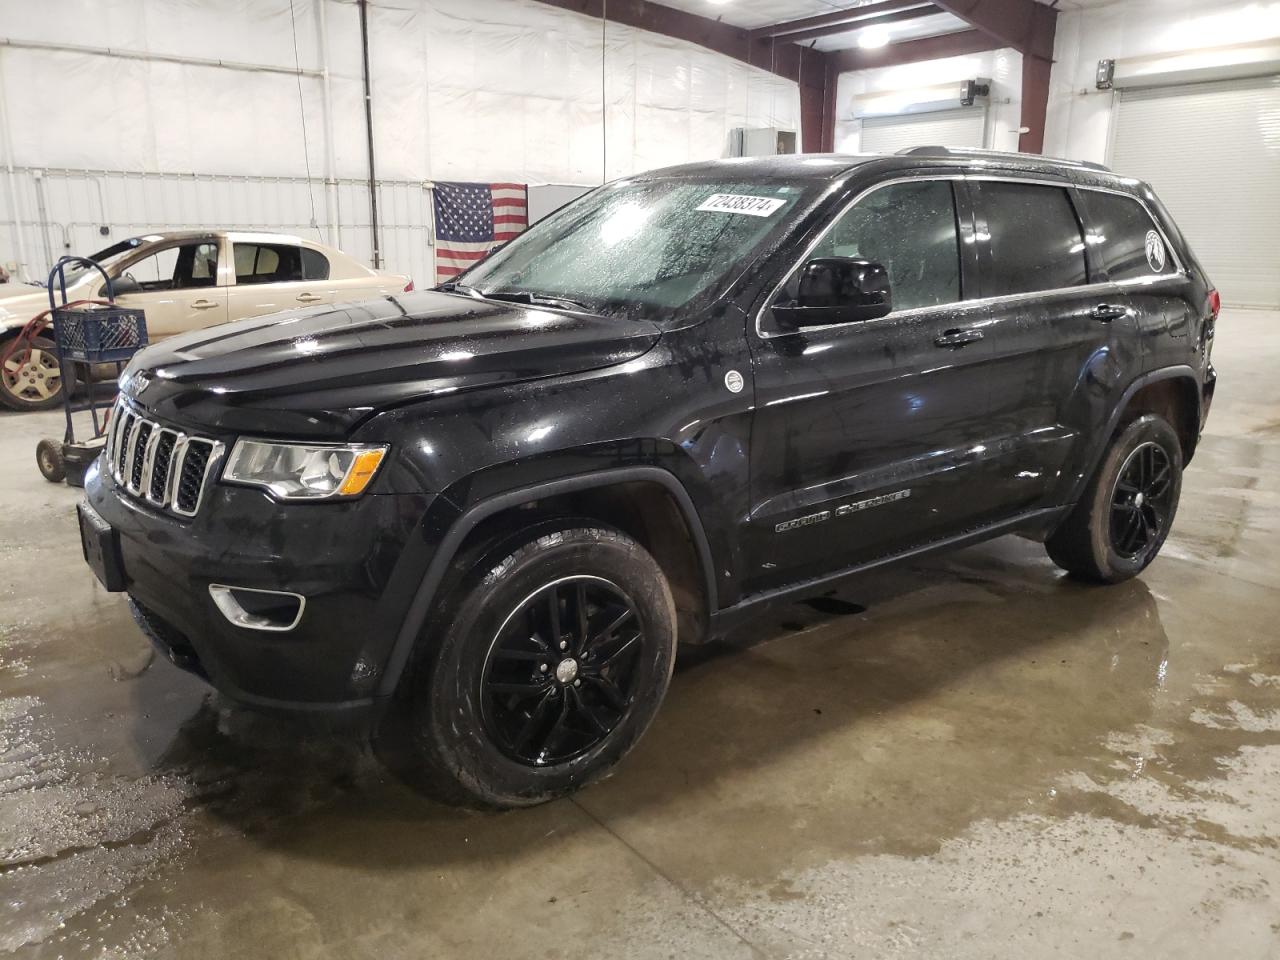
561,672
1141,501
544,665
1125,512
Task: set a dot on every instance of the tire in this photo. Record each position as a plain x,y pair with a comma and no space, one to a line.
1127,510
34,381
49,459
495,717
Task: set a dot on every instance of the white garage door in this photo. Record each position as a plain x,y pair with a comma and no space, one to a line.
1212,153
964,127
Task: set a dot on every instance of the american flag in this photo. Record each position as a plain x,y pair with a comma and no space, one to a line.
472,219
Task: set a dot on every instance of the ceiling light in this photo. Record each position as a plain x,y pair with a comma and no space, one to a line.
719,3
873,37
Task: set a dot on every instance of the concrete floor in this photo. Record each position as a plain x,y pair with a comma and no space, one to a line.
988,761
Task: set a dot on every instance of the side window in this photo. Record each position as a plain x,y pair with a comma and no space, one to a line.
198,265
175,268
315,265
1035,238
156,271
1124,237
267,263
911,229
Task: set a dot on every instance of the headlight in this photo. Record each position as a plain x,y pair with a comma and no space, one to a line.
301,471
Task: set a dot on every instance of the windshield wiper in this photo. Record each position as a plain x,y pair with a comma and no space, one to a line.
453,286
524,296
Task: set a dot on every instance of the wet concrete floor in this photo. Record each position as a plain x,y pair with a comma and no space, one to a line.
968,756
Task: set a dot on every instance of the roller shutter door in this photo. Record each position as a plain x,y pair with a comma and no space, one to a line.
1212,153
946,128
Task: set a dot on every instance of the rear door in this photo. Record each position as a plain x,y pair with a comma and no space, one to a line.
1131,249
270,277
870,437
1063,338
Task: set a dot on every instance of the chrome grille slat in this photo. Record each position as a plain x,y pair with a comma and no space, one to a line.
160,465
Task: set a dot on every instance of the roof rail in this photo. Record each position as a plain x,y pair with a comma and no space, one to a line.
939,151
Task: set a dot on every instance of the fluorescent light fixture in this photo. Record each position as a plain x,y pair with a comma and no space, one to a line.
719,3
873,37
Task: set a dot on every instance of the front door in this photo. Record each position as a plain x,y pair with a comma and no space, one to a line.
869,438
176,287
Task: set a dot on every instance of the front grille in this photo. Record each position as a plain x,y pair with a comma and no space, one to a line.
166,467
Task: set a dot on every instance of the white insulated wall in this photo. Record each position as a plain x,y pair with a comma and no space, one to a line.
919,82
501,90
1209,36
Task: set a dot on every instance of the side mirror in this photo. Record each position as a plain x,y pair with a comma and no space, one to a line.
836,290
122,284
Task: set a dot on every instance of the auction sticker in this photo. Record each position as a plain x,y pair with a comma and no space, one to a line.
741,203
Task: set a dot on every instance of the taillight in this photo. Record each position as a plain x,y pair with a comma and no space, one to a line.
408,287
1215,303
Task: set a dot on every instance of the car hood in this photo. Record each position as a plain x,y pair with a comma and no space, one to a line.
317,372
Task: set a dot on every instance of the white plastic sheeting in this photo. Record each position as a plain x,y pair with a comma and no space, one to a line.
484,90
919,83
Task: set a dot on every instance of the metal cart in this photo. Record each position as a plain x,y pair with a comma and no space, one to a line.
88,332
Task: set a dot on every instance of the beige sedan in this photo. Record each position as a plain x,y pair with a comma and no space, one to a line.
185,280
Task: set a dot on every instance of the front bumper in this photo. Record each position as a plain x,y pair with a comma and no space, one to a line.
357,563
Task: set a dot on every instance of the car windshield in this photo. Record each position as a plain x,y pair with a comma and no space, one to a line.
640,249
106,257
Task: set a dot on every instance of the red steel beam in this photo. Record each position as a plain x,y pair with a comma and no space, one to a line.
785,59
1025,25
909,51
812,33
1028,27
839,16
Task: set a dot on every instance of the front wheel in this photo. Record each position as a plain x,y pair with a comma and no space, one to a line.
31,377
1125,514
553,658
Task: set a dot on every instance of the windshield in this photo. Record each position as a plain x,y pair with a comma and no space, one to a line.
641,249
106,257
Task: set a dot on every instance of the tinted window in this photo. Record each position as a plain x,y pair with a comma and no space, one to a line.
1036,243
911,229
315,265
1126,241
268,263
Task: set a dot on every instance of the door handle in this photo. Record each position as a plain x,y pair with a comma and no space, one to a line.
955,339
308,298
203,304
1106,312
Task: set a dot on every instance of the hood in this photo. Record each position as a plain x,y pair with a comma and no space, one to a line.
19,302
317,372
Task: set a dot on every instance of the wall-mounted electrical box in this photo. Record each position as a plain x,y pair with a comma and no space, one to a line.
761,141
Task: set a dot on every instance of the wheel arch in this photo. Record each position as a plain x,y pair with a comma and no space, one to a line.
597,482
1152,392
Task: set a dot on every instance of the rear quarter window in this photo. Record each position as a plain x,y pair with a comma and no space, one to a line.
315,265
1125,239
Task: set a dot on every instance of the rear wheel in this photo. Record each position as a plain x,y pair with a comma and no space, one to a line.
551,664
1127,510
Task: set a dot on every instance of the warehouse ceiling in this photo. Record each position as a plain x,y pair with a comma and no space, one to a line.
901,20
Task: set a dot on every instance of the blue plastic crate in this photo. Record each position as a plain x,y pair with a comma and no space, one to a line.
99,334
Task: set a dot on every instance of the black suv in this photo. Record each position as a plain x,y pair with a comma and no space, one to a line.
683,397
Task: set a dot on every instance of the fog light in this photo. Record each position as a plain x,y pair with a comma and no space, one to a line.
256,609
